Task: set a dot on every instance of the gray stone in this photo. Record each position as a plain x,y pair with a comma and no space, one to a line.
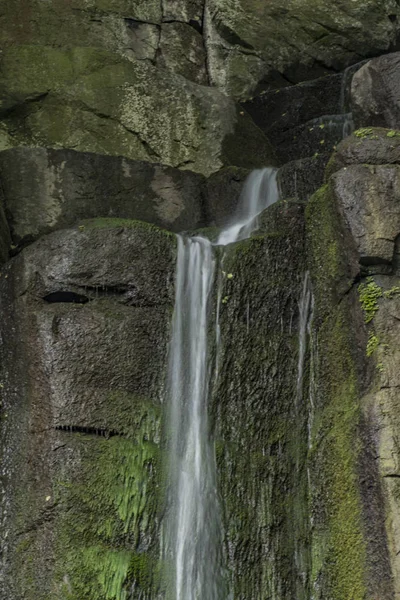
81,408
142,40
255,43
369,198
301,178
223,191
93,100
303,120
376,93
182,52
372,146
186,11
46,189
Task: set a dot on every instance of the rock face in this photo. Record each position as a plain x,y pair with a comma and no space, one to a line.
120,126
376,93
254,42
46,189
90,99
83,410
256,472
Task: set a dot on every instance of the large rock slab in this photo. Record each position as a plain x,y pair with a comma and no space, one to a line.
82,410
45,189
265,42
374,146
376,93
254,407
98,23
369,197
351,554
301,178
93,100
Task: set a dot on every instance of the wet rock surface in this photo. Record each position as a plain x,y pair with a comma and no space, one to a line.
83,405
113,111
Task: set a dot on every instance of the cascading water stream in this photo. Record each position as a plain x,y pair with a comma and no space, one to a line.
193,537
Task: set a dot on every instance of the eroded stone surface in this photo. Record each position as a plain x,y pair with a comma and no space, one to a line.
85,502
182,51
46,189
369,197
93,100
253,41
374,146
375,93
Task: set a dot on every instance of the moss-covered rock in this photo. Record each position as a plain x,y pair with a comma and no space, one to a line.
93,100
261,467
350,557
251,41
82,411
368,145
182,51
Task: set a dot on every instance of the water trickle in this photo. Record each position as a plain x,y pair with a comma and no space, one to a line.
304,312
302,557
193,537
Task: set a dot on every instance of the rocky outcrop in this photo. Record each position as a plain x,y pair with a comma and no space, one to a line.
115,122
259,318
253,44
45,189
375,93
93,100
82,410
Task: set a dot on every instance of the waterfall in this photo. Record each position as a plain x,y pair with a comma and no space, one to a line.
193,536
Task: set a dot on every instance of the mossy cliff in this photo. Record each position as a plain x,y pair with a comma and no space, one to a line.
82,411
115,131
260,429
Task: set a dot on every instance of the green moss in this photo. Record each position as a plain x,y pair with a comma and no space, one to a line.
392,134
328,255
111,510
364,132
338,542
394,291
372,344
369,294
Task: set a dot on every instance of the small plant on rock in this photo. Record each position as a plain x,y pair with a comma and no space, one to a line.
369,293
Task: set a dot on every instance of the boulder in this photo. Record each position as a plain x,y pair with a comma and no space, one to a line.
223,191
375,93
96,23
306,119
301,178
374,146
369,198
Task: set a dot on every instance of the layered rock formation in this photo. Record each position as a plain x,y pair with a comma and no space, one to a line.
120,125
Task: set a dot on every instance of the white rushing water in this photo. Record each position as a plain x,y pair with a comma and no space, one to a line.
193,536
